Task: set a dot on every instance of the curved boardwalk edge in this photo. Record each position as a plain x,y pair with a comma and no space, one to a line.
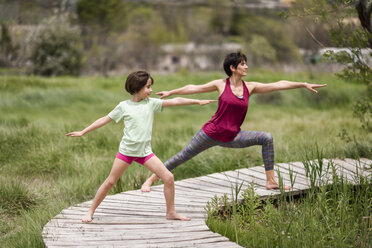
136,219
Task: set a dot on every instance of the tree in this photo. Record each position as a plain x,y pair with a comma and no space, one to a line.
356,38
7,48
56,48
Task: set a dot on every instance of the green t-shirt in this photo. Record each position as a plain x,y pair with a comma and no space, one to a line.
138,119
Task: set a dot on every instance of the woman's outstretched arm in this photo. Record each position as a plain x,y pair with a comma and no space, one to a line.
97,124
190,89
282,85
180,101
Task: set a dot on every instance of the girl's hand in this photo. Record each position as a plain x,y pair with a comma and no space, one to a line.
75,134
205,102
163,94
312,86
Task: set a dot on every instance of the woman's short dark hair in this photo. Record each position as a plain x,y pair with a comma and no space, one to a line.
233,59
136,81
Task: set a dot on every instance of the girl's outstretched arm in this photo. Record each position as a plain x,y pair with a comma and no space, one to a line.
180,101
97,124
190,89
282,85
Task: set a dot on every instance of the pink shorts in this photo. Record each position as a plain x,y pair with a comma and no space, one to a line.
129,159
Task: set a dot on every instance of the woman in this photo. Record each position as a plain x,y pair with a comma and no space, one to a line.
224,127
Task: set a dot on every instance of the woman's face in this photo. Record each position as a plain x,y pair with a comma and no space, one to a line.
241,69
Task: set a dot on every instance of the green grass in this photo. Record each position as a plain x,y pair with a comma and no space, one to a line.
329,215
43,172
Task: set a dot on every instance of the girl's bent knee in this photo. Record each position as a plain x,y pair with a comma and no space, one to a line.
110,182
169,178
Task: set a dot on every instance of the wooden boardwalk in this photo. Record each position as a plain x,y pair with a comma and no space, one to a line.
136,219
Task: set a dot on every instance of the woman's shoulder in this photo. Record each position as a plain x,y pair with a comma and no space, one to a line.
219,83
250,86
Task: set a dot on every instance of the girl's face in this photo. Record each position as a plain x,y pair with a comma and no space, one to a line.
241,69
145,92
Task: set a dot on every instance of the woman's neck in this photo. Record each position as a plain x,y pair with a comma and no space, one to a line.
235,80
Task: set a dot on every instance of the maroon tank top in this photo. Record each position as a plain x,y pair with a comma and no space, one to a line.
225,123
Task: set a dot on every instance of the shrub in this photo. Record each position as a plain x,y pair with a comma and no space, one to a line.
56,48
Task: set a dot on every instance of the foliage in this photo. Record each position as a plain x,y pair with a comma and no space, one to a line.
102,16
56,48
252,27
353,38
8,50
261,50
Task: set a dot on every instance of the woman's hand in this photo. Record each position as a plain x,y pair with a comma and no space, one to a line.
205,102
312,86
75,134
163,94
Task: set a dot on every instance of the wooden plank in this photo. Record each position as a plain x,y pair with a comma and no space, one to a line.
367,164
222,188
285,176
199,185
159,228
342,167
187,191
355,169
123,235
327,173
147,201
299,173
178,196
209,242
326,178
362,164
77,214
259,189
140,238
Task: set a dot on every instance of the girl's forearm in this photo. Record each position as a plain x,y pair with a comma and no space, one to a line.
97,124
179,101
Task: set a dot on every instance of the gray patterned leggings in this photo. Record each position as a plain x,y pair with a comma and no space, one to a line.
201,142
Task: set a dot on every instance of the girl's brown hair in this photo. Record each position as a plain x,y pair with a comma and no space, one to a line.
136,81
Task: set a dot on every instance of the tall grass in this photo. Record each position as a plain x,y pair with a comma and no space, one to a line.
43,172
333,214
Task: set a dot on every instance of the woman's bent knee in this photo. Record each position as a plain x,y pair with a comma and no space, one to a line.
268,137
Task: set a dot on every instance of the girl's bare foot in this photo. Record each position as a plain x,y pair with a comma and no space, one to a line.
175,216
146,186
87,218
274,185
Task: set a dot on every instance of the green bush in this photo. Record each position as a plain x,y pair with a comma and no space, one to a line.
56,48
273,31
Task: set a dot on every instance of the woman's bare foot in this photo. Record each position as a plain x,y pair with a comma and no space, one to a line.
175,216
87,218
274,185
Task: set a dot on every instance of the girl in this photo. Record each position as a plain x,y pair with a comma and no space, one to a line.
138,114
224,127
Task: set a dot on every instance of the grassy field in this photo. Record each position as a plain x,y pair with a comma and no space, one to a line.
43,172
